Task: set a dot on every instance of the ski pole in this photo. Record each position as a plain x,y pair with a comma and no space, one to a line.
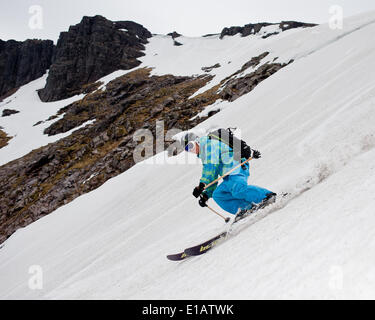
229,172
226,219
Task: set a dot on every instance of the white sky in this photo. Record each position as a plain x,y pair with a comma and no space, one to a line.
191,18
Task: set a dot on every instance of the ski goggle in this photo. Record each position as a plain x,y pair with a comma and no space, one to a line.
190,146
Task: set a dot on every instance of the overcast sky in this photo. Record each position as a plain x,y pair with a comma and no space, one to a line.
191,17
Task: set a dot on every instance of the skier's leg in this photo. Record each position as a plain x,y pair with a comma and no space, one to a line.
223,197
249,193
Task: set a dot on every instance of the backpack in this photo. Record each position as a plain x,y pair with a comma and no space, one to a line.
239,147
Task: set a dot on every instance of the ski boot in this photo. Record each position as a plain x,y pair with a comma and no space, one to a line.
242,213
269,199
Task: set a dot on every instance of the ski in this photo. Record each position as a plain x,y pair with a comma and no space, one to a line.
177,257
205,246
196,250
209,244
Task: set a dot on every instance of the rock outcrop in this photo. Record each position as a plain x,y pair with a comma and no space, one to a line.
245,30
235,87
9,112
90,50
209,69
174,34
255,28
177,44
286,25
22,62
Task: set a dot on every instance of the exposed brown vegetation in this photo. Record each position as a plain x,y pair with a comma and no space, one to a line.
3,139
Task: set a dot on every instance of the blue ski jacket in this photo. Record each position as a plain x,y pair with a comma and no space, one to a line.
217,159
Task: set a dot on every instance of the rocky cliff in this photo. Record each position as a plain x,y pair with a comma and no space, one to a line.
22,62
255,28
90,50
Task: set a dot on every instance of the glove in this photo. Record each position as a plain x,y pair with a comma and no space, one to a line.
198,190
203,199
256,154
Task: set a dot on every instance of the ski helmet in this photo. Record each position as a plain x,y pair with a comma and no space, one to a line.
188,137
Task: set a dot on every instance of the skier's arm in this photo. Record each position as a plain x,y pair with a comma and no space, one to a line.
210,190
209,174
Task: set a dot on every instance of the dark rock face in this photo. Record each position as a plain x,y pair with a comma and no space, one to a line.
251,28
245,30
133,29
286,25
22,62
209,69
210,35
90,50
235,88
176,43
254,61
174,34
9,112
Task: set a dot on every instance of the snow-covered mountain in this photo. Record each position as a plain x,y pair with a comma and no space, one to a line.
313,120
90,132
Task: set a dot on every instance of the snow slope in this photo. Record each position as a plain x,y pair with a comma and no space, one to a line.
20,126
232,52
313,121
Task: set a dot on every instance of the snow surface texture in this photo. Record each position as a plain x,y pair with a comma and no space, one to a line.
313,121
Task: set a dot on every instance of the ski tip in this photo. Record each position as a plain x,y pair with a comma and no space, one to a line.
177,257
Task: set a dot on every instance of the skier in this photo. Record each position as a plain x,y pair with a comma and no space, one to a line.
233,195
